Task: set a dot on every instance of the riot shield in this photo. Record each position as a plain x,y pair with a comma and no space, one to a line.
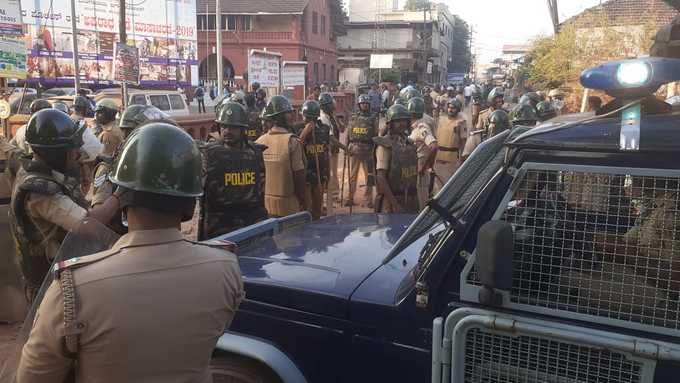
87,238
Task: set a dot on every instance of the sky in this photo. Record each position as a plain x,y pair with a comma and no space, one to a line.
499,22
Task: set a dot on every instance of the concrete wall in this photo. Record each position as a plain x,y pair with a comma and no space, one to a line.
319,48
366,10
272,23
393,38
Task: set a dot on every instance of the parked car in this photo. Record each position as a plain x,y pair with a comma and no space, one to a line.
170,101
514,252
64,92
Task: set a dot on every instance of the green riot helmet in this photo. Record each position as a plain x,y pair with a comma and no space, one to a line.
495,93
416,106
238,97
499,121
107,104
52,129
162,159
61,106
531,98
311,109
363,99
397,112
408,93
399,101
135,116
39,104
276,106
81,104
454,102
523,114
545,111
232,114
325,99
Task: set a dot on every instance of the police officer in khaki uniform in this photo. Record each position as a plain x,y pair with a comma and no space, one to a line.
234,178
451,137
284,161
397,165
47,200
153,306
81,106
327,117
363,128
498,122
496,100
315,138
105,126
426,146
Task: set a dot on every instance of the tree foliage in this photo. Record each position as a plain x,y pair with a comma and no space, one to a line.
416,5
460,50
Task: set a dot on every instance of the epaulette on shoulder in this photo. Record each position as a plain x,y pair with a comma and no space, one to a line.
78,262
221,244
383,141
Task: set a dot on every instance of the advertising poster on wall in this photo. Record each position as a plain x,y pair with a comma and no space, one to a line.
126,63
10,18
12,58
163,31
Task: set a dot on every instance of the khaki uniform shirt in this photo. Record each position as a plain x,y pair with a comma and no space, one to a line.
111,136
422,136
152,311
48,212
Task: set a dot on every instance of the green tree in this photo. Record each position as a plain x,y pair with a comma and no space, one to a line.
416,5
461,57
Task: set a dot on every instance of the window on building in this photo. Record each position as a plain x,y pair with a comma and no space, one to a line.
247,23
315,22
316,73
228,23
332,73
323,71
205,22
323,25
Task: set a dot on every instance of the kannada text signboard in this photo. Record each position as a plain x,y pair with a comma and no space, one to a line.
264,68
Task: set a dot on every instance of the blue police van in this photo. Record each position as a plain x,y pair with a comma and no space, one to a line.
552,255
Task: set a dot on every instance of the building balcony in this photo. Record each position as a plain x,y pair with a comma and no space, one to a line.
256,37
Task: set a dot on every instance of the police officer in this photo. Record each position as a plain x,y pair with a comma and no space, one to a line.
46,199
530,98
476,106
234,181
153,306
105,126
496,100
81,107
133,117
426,145
62,107
498,121
451,136
284,161
545,111
397,165
315,138
328,117
363,127
524,115
19,139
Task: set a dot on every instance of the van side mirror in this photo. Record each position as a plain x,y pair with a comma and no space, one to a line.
494,260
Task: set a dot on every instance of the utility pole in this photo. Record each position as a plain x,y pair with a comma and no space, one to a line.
74,34
122,33
218,59
554,16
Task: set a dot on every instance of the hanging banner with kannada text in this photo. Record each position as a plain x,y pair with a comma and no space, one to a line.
126,63
12,58
163,31
264,67
10,18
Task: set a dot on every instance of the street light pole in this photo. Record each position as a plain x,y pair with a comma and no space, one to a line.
218,40
74,34
123,40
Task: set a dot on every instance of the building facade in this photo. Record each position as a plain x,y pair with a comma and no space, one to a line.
300,30
421,42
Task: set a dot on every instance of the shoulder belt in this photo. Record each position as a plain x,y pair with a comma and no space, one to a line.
63,272
383,141
257,147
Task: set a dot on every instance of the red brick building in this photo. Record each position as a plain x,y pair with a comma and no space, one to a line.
301,30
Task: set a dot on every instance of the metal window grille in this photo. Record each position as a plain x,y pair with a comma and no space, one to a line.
498,358
593,241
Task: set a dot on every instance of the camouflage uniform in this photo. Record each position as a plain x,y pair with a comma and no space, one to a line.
397,155
363,128
234,182
45,206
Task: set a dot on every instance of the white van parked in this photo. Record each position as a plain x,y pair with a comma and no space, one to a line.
170,102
